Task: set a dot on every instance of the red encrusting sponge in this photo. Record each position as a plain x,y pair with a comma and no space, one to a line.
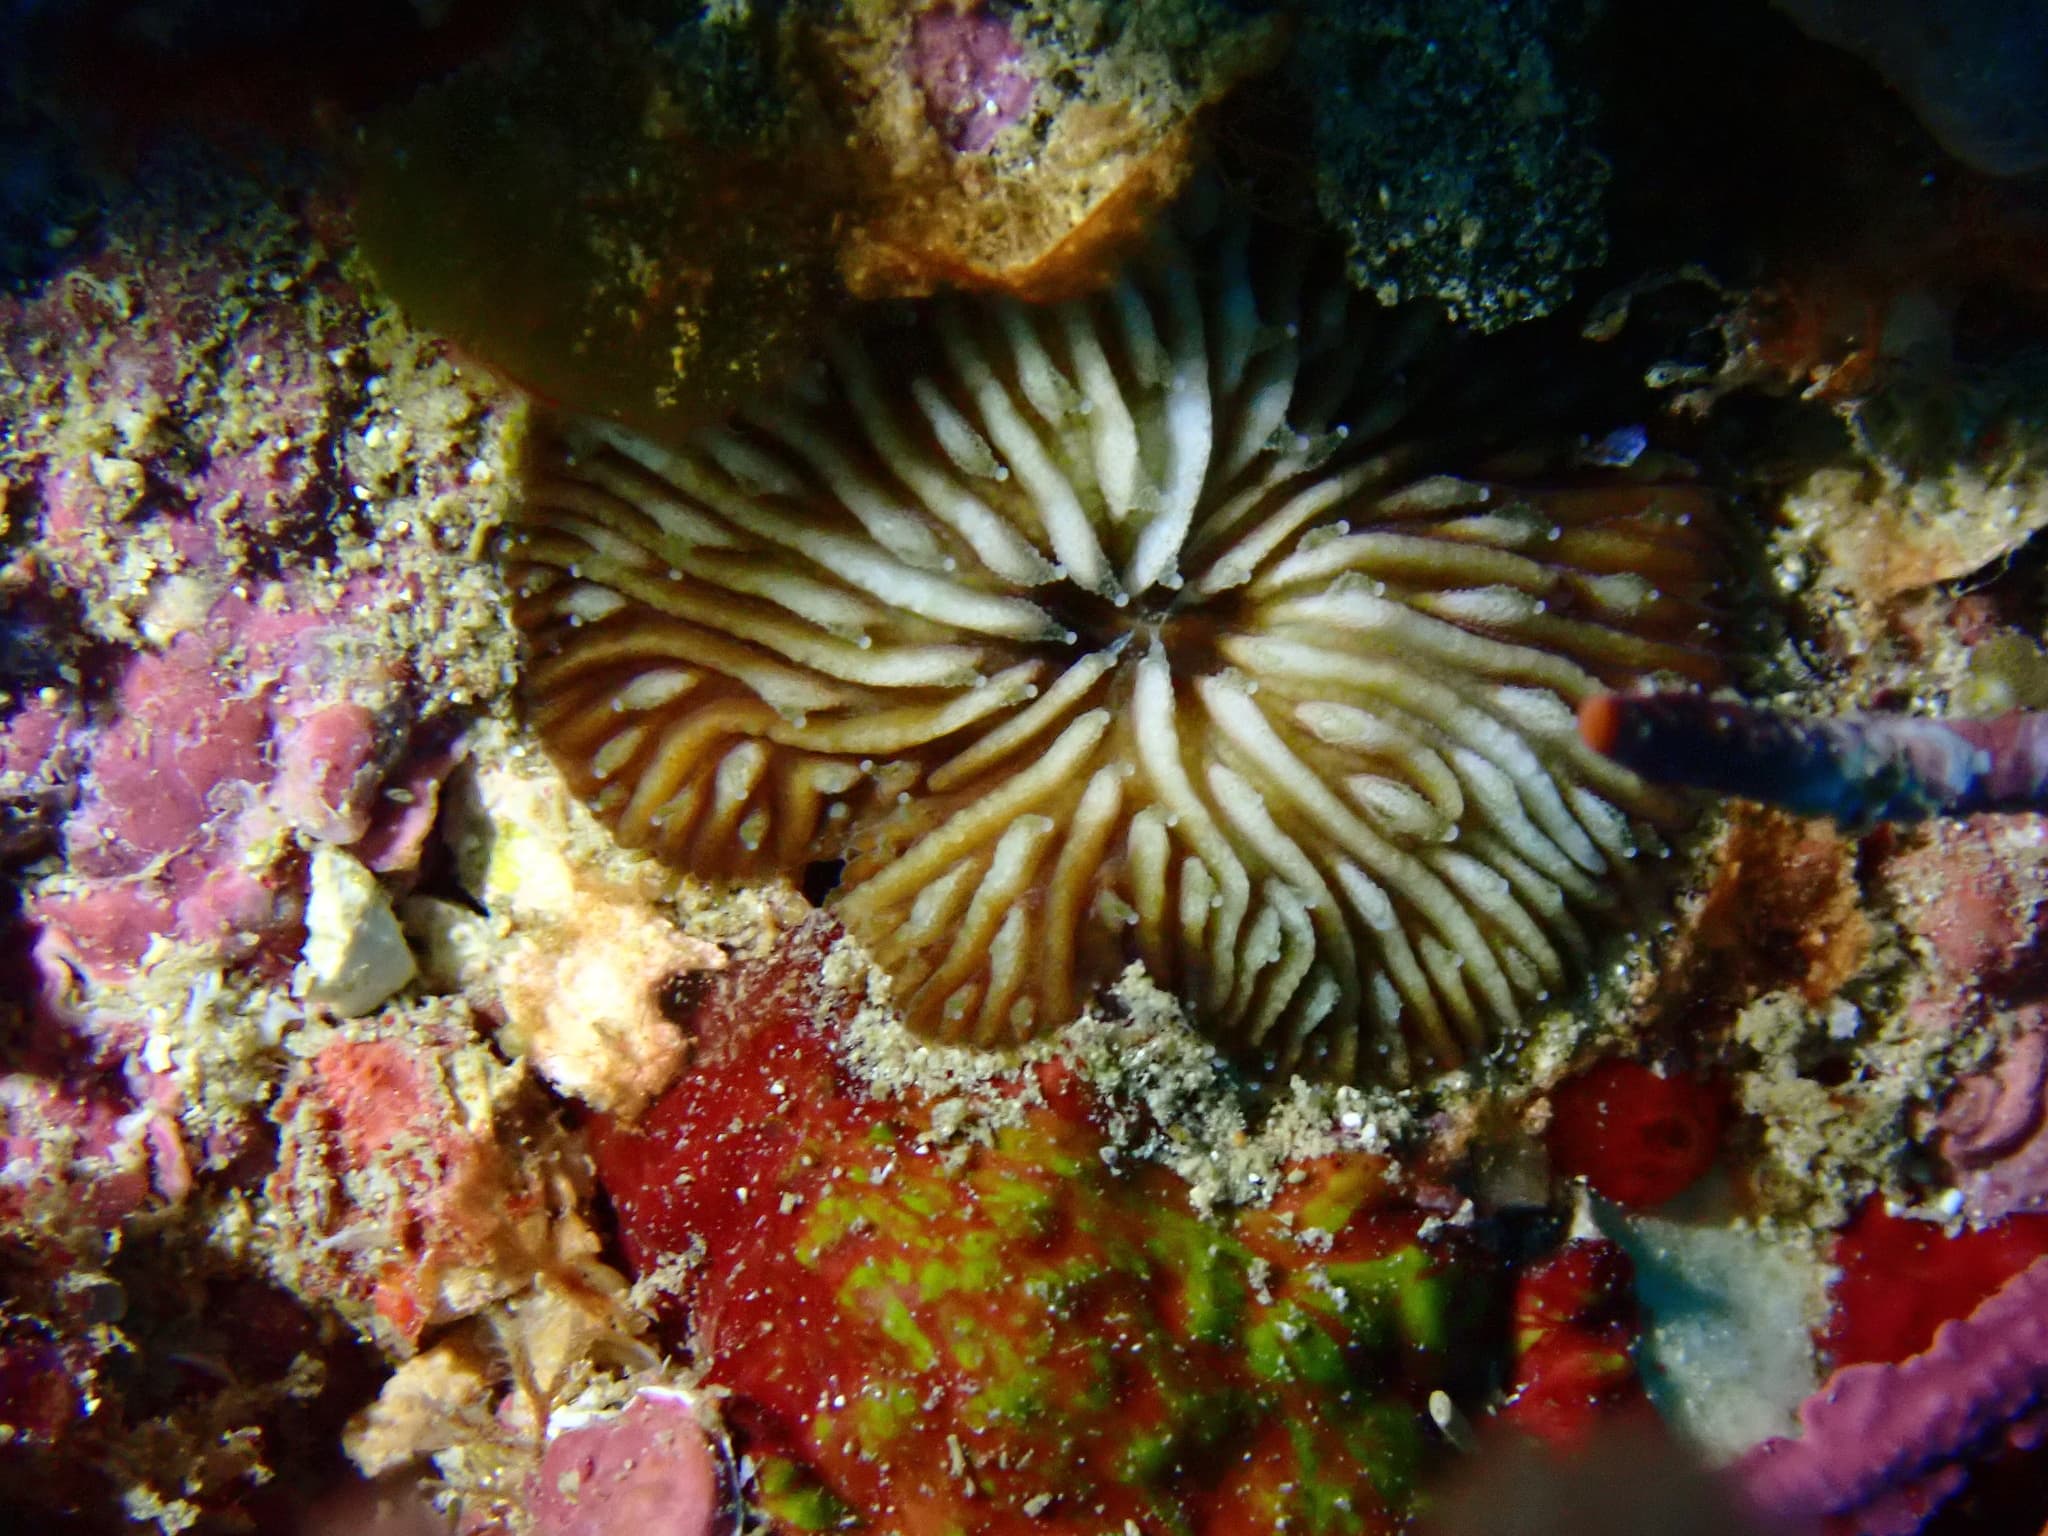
1636,1137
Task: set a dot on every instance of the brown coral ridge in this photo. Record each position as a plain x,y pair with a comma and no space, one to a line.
1149,626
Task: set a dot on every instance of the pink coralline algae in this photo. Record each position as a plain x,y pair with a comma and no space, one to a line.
970,71
649,1470
1884,1445
265,723
402,1207
1970,891
1994,1133
237,653
158,349
70,1147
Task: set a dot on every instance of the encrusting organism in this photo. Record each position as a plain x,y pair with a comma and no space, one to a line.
1857,769
1202,622
1884,1444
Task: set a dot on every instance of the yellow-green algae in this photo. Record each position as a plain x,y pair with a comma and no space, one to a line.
1037,1334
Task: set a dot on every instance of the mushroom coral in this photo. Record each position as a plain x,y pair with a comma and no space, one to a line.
1213,621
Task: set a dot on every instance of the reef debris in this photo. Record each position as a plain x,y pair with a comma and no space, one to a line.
355,957
393,1198
1877,539
572,952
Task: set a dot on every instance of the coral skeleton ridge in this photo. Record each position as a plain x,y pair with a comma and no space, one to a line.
1167,624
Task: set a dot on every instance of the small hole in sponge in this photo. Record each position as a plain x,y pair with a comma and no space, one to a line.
679,996
1829,1071
821,879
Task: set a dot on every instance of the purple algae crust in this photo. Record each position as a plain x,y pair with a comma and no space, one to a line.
972,74
1881,1443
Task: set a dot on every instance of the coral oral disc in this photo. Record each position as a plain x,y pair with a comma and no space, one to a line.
1150,626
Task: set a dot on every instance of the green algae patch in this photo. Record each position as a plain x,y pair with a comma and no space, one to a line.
1210,1269
789,1495
1399,1297
1015,1335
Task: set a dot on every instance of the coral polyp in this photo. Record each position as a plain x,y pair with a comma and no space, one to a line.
1201,622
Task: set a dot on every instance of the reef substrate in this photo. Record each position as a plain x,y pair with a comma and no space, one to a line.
374,1129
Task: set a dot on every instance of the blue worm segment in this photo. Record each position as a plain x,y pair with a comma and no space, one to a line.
1855,769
